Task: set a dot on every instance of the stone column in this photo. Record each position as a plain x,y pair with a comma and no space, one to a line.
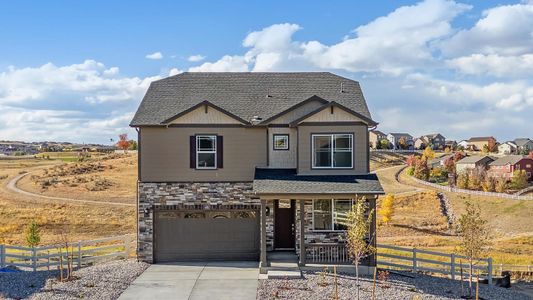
302,232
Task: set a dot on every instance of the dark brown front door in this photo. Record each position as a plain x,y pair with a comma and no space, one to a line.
284,224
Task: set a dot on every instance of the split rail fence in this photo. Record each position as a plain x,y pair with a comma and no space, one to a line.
82,253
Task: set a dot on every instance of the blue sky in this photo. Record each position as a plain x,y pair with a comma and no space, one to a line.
77,70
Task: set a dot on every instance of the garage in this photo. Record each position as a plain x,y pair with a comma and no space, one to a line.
206,235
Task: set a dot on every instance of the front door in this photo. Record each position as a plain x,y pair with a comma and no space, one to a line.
284,224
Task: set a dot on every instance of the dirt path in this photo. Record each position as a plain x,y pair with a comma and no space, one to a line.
12,186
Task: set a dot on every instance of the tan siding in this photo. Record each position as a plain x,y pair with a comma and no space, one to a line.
297,112
338,115
199,116
360,149
165,154
282,158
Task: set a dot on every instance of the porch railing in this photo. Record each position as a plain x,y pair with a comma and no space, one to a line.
327,253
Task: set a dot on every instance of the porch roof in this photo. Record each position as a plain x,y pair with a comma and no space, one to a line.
287,182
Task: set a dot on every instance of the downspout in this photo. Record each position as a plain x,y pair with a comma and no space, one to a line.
137,187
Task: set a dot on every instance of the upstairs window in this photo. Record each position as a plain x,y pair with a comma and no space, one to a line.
332,151
281,142
206,151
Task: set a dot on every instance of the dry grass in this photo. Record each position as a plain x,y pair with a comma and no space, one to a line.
380,160
56,218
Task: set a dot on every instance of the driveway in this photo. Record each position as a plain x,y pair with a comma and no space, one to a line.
207,280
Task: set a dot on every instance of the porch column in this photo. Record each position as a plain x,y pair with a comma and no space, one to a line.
302,232
263,234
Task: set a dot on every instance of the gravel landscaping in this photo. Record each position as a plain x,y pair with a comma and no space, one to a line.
102,281
397,287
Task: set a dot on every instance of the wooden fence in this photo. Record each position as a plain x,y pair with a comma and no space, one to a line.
80,253
418,260
471,192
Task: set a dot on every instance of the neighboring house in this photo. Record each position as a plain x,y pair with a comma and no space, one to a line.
477,143
435,140
451,144
504,167
471,162
439,161
524,145
235,165
463,144
394,139
375,137
507,148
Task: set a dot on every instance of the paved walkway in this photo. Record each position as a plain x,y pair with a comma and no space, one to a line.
214,280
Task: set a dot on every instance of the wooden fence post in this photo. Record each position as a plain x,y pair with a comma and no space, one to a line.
2,256
34,259
79,254
489,267
415,267
452,265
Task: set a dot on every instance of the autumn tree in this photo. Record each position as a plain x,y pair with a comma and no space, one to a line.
385,144
477,176
474,237
386,209
421,169
133,145
33,234
428,153
360,239
411,160
501,185
123,142
519,180
463,179
489,184
457,156
402,143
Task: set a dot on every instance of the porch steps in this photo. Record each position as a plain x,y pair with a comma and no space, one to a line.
283,265
284,274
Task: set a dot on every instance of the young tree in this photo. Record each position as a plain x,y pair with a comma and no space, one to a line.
474,237
477,177
519,180
385,144
123,142
386,209
489,184
463,180
360,240
428,153
422,169
133,145
402,143
501,185
411,160
33,234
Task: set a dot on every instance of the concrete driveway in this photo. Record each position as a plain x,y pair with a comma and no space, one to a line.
208,280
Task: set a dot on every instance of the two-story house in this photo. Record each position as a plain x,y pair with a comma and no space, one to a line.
435,140
524,145
399,139
469,163
375,137
504,167
235,165
478,143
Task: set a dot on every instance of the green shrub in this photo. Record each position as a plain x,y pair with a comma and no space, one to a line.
410,171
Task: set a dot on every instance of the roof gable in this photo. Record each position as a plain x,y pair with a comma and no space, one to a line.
333,112
205,113
245,94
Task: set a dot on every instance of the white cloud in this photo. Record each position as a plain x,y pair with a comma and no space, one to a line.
155,55
225,64
503,30
174,71
196,58
494,65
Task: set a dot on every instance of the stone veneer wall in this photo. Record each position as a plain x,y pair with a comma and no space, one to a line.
192,196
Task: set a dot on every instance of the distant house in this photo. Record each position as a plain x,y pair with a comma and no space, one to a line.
507,148
420,143
439,161
472,162
477,143
435,140
394,139
450,144
524,145
375,137
463,144
504,167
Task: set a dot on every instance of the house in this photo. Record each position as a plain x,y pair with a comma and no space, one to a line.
439,161
507,148
504,167
233,166
395,138
463,144
375,137
435,140
450,144
477,143
471,162
524,145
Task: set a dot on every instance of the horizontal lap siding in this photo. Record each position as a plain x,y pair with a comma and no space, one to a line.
165,154
360,149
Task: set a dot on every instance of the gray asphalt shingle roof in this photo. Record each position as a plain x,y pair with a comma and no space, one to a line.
286,181
473,159
508,159
245,94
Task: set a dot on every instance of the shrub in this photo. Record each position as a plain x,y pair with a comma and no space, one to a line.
421,169
501,186
411,160
463,180
33,234
410,171
387,208
489,184
519,180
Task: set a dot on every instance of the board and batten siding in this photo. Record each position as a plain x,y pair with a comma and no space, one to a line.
165,154
282,158
360,148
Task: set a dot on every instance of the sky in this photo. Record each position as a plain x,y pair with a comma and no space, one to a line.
76,71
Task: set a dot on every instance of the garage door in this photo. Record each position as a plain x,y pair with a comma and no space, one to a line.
221,235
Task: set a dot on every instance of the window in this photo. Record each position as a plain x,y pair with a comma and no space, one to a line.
281,142
332,151
206,151
330,215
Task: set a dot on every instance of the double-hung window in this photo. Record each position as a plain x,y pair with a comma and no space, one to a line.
332,151
206,151
331,215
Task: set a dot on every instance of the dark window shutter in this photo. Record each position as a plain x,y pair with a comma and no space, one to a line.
220,152
192,151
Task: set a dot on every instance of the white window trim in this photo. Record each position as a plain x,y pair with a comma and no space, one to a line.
332,216
332,137
280,135
198,151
